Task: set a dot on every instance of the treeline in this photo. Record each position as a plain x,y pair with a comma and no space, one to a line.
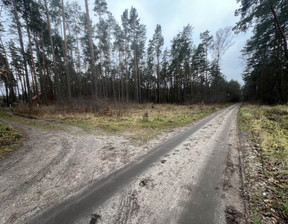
60,52
266,75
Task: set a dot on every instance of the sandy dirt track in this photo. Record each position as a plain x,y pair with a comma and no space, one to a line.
197,182
51,166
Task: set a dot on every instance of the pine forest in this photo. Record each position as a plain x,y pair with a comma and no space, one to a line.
58,54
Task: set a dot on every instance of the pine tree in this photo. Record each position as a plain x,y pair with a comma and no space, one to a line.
7,75
57,94
91,49
158,41
266,72
16,8
73,24
17,66
206,39
181,51
100,8
137,34
118,47
126,38
67,69
150,72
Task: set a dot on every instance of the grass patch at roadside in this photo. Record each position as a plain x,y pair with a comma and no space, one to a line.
4,114
30,121
139,122
10,138
267,129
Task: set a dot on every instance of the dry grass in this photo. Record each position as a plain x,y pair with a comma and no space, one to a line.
140,122
267,128
10,138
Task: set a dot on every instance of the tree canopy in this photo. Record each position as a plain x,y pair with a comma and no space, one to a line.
266,74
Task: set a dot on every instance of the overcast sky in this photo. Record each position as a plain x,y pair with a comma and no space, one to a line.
203,15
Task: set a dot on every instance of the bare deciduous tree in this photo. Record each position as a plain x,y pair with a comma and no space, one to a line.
222,41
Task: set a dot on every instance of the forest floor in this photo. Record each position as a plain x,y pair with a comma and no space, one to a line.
58,159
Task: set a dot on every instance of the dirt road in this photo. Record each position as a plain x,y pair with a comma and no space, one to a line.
193,177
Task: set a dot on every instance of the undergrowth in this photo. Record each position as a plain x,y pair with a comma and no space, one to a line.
139,122
267,128
29,120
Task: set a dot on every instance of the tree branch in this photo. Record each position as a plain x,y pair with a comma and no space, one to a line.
281,31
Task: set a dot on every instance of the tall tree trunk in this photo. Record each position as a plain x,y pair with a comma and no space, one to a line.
46,78
105,84
206,74
9,76
139,85
158,79
102,76
127,75
136,97
192,83
42,82
71,68
113,86
18,90
121,76
32,60
22,52
78,68
25,88
7,94
92,57
22,86
55,70
67,66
